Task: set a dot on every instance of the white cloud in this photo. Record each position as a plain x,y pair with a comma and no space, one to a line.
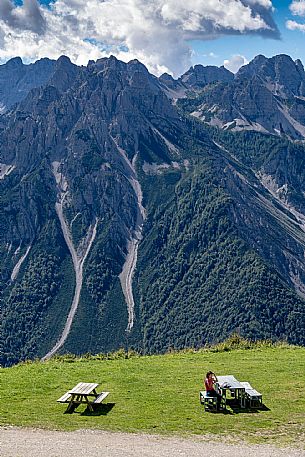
293,25
155,32
298,7
235,62
26,17
193,14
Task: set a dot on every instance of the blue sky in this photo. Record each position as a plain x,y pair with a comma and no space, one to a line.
291,42
42,2
159,34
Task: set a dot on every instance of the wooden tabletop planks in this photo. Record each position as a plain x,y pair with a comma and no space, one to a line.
80,395
83,388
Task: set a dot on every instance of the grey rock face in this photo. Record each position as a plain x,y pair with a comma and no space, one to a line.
199,76
281,74
17,79
82,112
195,79
266,95
70,151
96,164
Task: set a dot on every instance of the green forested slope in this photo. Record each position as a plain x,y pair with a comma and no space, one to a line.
222,246
30,304
198,280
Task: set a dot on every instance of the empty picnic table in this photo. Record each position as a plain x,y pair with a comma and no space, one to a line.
229,382
83,393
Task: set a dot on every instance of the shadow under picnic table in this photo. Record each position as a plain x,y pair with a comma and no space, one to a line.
222,411
237,409
99,410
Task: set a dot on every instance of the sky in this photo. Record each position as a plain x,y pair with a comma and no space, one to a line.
291,42
166,35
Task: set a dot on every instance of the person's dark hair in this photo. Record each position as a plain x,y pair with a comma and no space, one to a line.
208,373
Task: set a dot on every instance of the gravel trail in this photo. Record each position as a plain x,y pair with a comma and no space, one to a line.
23,442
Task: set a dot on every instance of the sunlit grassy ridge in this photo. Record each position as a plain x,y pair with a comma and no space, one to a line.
160,394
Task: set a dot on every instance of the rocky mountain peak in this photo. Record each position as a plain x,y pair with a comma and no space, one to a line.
277,71
64,61
166,78
266,95
199,76
115,73
108,63
252,67
17,79
64,74
136,65
13,63
195,79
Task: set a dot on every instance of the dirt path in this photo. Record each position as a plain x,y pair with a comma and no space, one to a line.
22,442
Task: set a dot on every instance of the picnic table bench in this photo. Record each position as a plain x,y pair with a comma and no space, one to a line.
83,393
253,397
210,403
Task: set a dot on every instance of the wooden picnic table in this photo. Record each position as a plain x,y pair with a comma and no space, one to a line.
83,393
229,382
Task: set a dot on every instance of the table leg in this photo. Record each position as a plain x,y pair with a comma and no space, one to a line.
71,403
223,398
242,398
89,404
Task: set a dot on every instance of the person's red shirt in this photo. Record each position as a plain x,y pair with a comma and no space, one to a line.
209,384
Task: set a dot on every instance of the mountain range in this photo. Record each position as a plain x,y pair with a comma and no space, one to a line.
150,212
267,95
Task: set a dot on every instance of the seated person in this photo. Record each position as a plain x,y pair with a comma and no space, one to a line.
209,383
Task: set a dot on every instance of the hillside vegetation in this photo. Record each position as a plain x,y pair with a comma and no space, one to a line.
160,394
87,155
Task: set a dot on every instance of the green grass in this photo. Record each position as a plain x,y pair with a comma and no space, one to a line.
160,394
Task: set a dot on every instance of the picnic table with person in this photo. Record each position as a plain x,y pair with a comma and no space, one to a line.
216,388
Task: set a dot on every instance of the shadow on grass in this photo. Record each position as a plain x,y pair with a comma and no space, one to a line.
71,409
222,411
236,409
98,410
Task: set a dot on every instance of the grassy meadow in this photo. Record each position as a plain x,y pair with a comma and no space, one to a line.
160,394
